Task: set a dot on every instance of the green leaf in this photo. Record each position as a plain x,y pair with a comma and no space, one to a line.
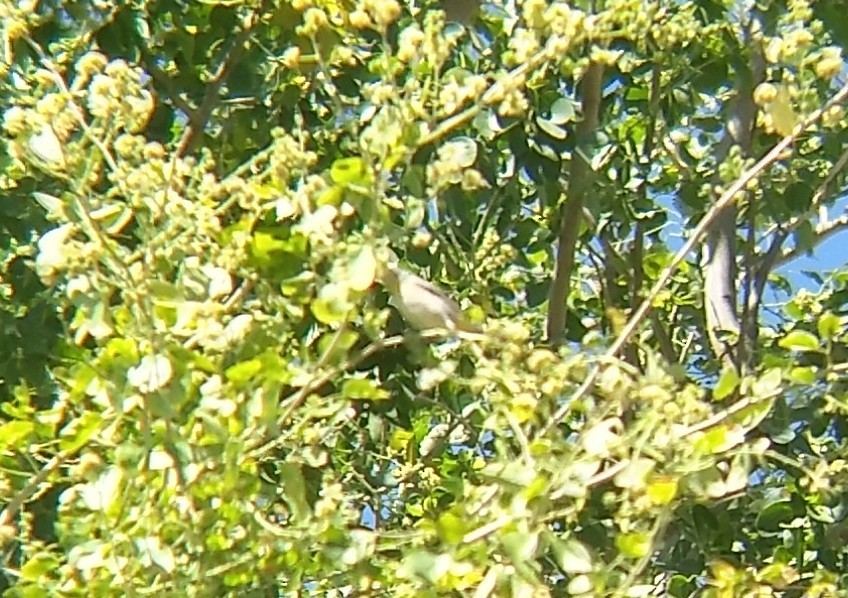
424,564
662,490
363,389
332,196
727,383
335,345
800,340
119,355
775,515
329,310
244,371
350,171
769,384
451,527
581,585
53,205
719,439
680,586
463,150
46,146
520,546
635,474
828,325
12,434
79,431
278,252
363,269
737,476
552,128
572,556
294,490
38,566
803,375
265,245
634,545
562,111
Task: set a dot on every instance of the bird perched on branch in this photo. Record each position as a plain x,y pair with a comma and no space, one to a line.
423,305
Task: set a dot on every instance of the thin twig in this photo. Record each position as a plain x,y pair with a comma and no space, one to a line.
822,233
498,87
14,505
725,414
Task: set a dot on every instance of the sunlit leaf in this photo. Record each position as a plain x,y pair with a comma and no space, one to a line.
662,490
350,171
79,431
562,111
572,556
829,325
800,340
727,383
47,146
244,371
363,269
38,566
634,545
552,129
13,433
451,527
363,389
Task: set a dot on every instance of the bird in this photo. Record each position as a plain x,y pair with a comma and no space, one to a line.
422,304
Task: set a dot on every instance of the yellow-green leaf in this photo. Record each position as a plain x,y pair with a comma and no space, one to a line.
38,566
363,389
828,325
14,433
800,340
726,384
719,439
400,439
451,527
363,269
349,171
79,431
572,556
782,113
803,375
768,384
331,197
244,371
662,490
634,546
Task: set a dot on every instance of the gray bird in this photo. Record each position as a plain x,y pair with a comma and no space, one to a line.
423,305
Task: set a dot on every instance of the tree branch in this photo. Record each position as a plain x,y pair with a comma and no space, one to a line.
698,233
199,117
719,262
775,256
823,231
572,209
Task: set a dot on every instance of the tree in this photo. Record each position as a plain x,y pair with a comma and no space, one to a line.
207,392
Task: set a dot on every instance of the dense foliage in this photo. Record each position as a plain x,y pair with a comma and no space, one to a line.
205,390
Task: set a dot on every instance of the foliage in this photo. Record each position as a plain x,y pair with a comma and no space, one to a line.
205,389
